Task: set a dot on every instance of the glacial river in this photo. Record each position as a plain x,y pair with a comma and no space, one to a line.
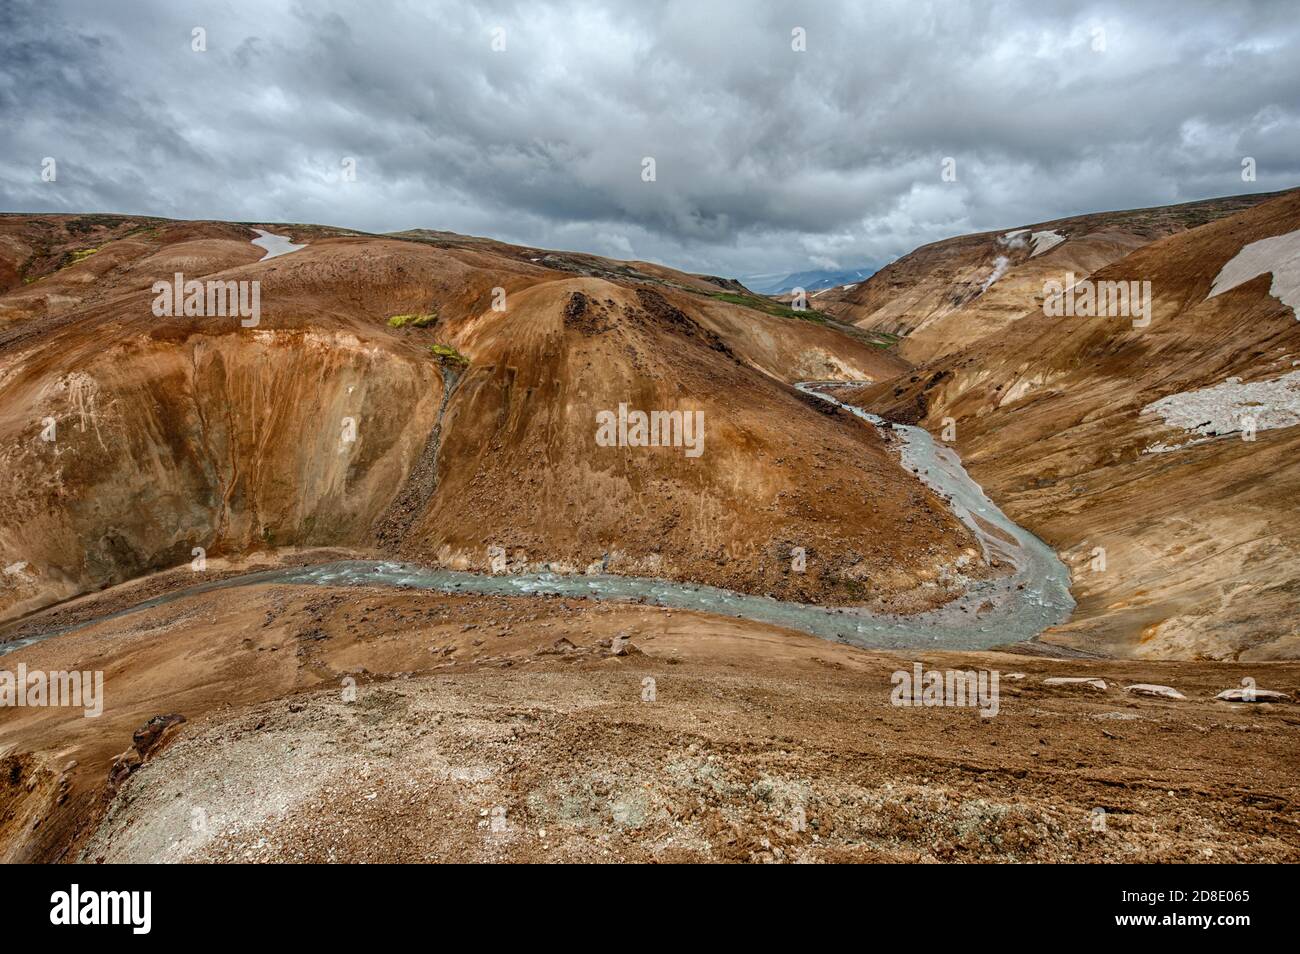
1009,609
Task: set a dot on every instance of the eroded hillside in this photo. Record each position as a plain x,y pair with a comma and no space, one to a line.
1181,528
434,398
950,294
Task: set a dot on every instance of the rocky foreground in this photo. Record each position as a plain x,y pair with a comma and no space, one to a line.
301,723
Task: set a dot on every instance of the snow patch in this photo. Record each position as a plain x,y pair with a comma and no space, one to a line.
1045,242
1222,408
1042,241
274,244
1279,255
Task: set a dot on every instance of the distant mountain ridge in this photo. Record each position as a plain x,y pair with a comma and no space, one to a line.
811,280
949,294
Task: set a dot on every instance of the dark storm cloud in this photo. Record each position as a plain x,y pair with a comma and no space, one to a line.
767,159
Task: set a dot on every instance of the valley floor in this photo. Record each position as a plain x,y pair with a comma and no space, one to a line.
487,728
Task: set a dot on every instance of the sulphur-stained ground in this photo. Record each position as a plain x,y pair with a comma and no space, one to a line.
385,725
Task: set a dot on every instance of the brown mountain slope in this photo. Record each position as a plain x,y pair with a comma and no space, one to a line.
947,295
1202,542
325,425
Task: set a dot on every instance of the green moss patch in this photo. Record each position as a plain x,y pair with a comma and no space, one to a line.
80,255
414,321
770,307
448,353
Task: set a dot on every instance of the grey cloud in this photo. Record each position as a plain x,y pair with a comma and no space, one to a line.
767,159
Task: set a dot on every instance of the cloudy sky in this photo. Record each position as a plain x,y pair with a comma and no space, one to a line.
767,158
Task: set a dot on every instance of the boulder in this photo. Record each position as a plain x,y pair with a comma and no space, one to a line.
1253,695
146,741
1150,689
1090,681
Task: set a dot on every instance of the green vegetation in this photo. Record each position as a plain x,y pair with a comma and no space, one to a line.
876,339
69,259
81,254
770,307
448,353
415,321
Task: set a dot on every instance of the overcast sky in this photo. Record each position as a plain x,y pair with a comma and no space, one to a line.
767,159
